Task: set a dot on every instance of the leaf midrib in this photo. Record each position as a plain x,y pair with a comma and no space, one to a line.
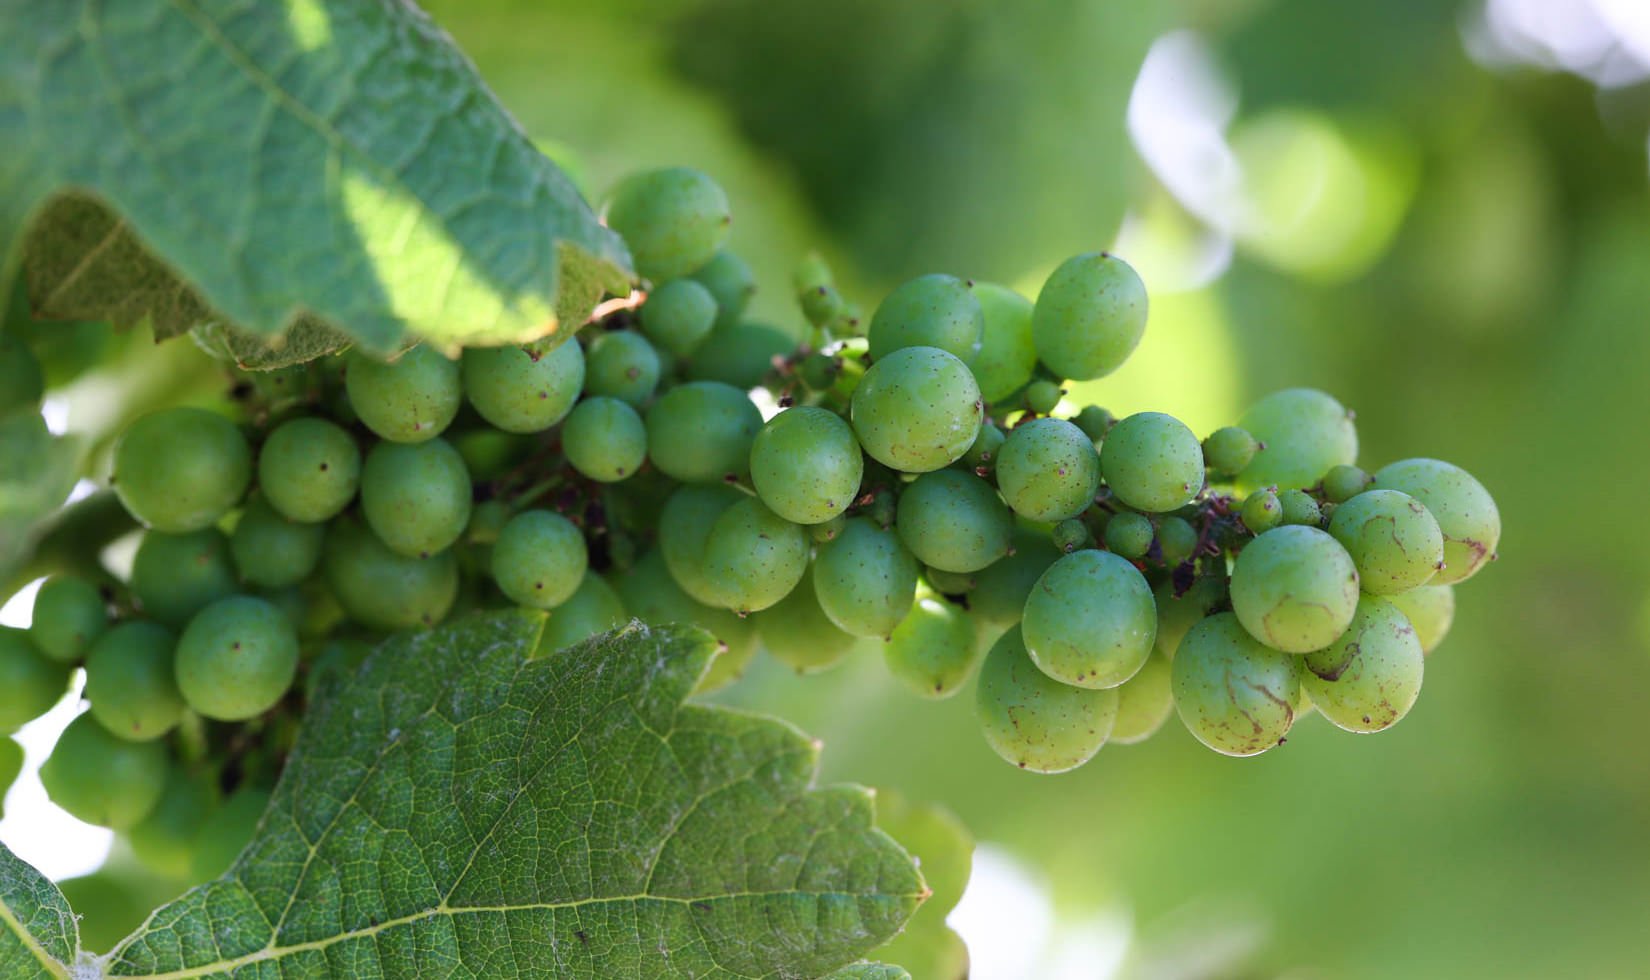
31,944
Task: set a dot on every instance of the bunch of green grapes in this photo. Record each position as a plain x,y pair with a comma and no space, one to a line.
916,484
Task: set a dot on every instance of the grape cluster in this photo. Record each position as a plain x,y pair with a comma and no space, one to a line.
916,480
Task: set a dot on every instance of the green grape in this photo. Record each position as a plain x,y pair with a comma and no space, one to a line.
1042,396
1000,590
226,835
673,219
1233,693
1176,615
1007,356
954,521
130,682
605,439
1032,720
524,389
806,464
175,576
102,779
1095,422
410,399
933,651
917,409
623,365
731,283
271,551
679,315
29,683
1343,482
1430,609
1298,507
180,469
684,528
1465,511
1369,678
539,559
593,608
309,469
796,631
1048,470
942,845
741,355
866,579
1089,316
236,659
702,431
823,305
1176,540
22,381
819,371
828,530
1262,511
1144,702
1303,433
1393,540
648,592
1228,451
1071,535
754,557
487,519
11,766
1294,589
1090,621
416,497
982,455
948,583
1129,534
929,311
491,455
164,841
383,590
69,613
1152,462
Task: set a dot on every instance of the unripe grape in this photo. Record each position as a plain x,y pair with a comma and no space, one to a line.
930,311
605,439
102,779
673,220
1368,679
1072,535
1095,422
1034,721
827,531
539,559
806,464
1262,511
236,658
1233,693
1007,356
1343,482
621,364
164,841
1090,620
593,608
130,681
917,409
1465,511
741,355
1305,432
647,591
1176,615
226,835
982,455
933,651
823,305
383,590
954,521
679,315
411,399
29,683
1042,397
69,613
1089,316
1298,507
1129,534
180,469
1152,462
684,529
271,551
732,284
949,583
417,497
524,389
1228,451
1393,540
1048,470
1144,702
1176,540
999,596
309,469
866,579
11,766
754,557
1430,609
1295,589
702,431
174,576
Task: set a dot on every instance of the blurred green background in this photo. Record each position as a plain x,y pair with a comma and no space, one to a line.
1438,211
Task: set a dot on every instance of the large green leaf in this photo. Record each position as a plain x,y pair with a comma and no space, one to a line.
460,809
38,937
204,161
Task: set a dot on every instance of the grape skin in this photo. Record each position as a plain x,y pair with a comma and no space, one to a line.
271,551
411,399
732,284
1144,702
702,431
1232,692
1393,540
866,579
236,659
1089,316
740,355
1305,432
954,521
679,315
175,576
685,522
1152,462
102,779
1090,620
180,469
621,365
593,608
1007,356
673,219
416,497
1048,470
1368,679
604,439
754,557
806,464
1295,589
381,589
309,469
29,683
1000,590
69,613
649,593
1465,511
1430,609
929,311
933,651
130,683
1034,721
164,841
524,389
539,559
917,410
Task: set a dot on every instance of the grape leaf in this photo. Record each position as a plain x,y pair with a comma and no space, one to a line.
39,935
197,161
870,971
458,808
